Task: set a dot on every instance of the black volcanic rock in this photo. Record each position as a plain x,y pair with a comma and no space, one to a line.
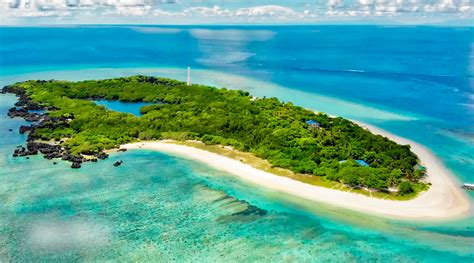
72,158
17,112
118,163
102,155
32,148
50,156
24,129
22,109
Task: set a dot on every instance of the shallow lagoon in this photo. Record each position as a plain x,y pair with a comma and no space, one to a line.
158,207
120,106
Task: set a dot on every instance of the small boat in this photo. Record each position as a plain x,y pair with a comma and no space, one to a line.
468,186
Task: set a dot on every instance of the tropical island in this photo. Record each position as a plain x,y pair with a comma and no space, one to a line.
332,149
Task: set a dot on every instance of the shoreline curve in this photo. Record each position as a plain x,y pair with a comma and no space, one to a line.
442,201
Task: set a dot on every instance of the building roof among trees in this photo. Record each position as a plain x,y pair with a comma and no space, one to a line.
362,163
312,122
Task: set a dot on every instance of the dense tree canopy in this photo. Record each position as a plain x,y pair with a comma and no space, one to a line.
266,127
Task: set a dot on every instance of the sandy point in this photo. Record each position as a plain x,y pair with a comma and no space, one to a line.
445,200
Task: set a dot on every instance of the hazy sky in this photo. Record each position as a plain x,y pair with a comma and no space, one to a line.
237,12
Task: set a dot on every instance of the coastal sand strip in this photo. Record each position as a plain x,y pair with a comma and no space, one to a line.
444,200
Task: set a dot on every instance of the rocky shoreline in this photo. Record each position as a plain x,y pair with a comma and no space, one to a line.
38,116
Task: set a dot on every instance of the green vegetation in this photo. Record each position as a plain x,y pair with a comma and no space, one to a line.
267,128
405,188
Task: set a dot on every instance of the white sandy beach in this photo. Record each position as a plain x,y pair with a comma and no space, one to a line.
444,200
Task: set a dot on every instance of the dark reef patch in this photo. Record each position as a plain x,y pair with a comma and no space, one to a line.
246,211
28,110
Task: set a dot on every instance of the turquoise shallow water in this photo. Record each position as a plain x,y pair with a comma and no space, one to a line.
157,207
128,107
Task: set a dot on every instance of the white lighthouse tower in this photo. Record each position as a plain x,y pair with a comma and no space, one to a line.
189,77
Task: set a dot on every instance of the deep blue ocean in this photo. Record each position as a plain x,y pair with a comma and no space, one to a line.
416,82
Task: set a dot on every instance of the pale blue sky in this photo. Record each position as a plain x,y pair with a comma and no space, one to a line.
237,12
